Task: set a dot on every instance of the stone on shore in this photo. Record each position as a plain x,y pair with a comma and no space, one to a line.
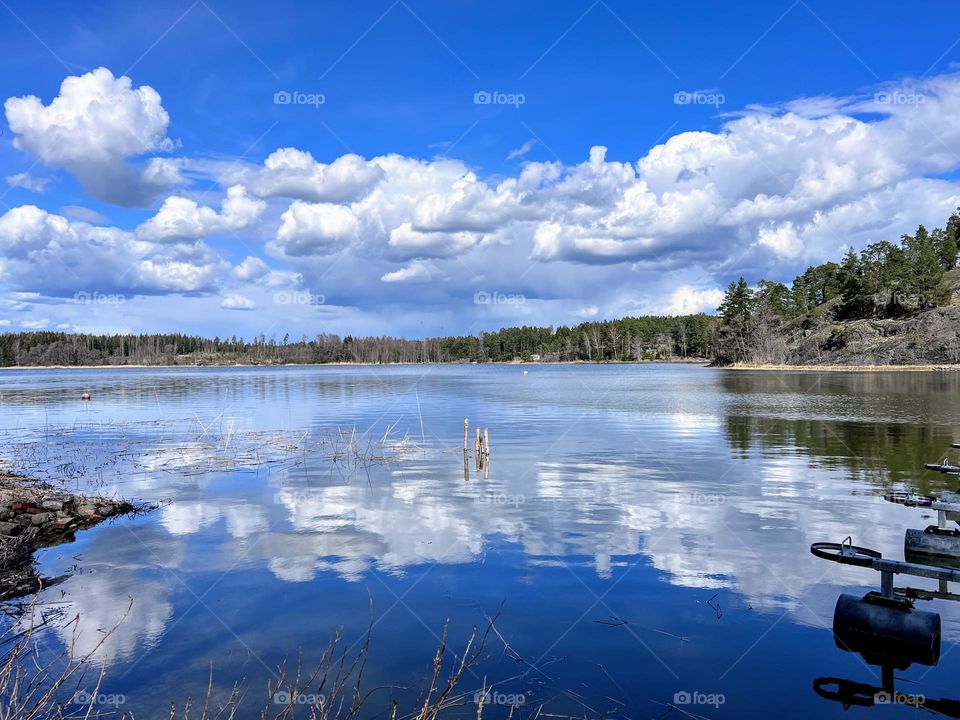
52,513
32,517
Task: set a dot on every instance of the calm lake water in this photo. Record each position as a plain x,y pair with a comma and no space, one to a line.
645,528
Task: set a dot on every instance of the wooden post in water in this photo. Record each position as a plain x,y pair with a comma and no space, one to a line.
466,467
479,450
486,454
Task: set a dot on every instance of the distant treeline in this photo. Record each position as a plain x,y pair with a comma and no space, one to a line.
639,338
883,281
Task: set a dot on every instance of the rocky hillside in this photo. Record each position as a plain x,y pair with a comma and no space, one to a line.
930,337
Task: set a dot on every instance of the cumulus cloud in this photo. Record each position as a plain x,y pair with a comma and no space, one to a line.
405,242
688,300
769,190
238,302
417,209
92,128
289,172
252,268
163,173
415,272
50,254
181,219
254,271
750,187
316,228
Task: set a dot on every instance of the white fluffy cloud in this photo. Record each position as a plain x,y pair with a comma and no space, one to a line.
754,188
238,302
293,173
767,192
181,219
688,300
316,228
92,128
47,253
251,269
415,272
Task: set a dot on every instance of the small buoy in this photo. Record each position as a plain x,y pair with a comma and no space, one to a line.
524,372
85,396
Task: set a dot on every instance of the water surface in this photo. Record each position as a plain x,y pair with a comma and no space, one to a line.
643,529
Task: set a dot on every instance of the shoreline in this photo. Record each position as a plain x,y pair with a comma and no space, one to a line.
35,515
843,368
702,362
691,361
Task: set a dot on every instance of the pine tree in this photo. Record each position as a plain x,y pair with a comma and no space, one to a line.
851,283
736,311
924,281
947,247
737,303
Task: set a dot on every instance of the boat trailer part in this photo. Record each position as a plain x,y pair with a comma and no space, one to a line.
937,545
947,505
944,467
878,621
846,553
909,499
886,631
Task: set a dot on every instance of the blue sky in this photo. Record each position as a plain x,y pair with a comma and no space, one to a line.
440,167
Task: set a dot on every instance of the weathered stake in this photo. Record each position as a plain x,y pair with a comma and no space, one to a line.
466,466
478,453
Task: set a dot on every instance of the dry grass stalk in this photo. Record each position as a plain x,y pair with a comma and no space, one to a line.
333,688
31,687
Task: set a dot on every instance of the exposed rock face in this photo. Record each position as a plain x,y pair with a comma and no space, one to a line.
930,338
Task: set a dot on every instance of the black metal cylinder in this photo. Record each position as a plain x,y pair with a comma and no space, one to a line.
886,631
932,545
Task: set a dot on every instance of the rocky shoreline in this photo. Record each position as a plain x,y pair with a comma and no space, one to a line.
841,368
34,515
